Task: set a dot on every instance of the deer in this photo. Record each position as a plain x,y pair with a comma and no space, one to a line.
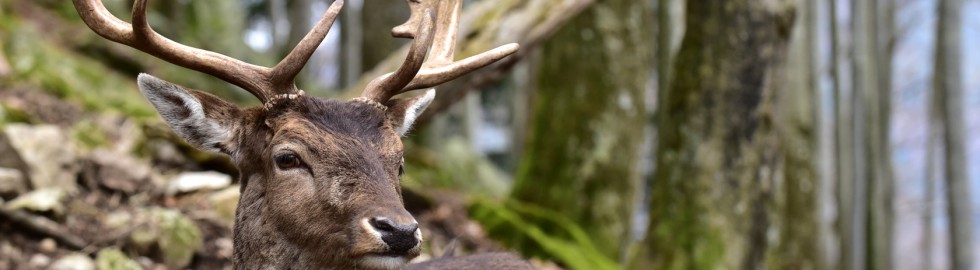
320,178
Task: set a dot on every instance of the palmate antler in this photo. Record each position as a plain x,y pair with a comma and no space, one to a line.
440,67
263,82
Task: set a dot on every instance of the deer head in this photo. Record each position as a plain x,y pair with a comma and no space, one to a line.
320,177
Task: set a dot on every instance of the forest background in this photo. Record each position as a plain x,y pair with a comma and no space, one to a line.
626,134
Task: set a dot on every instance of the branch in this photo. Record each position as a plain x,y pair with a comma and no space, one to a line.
43,226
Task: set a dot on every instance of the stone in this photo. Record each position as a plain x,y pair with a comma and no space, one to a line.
225,202
42,200
12,182
179,238
45,152
170,235
117,171
74,261
194,181
48,245
39,261
115,259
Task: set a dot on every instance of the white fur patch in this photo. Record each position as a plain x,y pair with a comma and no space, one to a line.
382,262
196,128
414,111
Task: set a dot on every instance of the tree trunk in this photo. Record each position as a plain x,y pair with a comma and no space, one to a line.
949,91
844,141
351,34
885,178
378,17
584,148
726,176
873,69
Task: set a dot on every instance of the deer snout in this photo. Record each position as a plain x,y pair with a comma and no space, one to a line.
400,237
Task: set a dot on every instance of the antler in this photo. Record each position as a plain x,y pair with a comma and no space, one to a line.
263,82
440,68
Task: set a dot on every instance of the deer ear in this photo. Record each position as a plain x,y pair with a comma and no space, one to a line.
203,120
403,112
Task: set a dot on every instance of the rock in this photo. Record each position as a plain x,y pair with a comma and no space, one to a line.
117,171
74,261
42,200
39,261
225,202
48,245
179,238
194,181
46,154
174,236
115,259
11,182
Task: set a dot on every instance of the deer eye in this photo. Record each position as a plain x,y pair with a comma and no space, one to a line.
288,161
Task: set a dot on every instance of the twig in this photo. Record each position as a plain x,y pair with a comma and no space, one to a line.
44,226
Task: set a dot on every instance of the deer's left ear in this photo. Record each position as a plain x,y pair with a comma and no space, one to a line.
404,112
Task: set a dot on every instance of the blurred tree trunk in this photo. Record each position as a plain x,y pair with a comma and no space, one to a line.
664,38
844,141
869,74
584,148
726,176
885,181
351,33
935,127
378,17
949,91
864,110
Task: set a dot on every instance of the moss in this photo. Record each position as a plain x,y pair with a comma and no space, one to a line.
89,136
115,259
68,75
179,238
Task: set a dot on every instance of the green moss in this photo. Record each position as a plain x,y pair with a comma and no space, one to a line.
179,238
115,259
67,75
89,136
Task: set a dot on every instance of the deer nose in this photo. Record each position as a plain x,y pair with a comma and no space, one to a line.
399,237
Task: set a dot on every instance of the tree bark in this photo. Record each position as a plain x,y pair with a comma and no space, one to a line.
949,91
733,159
584,148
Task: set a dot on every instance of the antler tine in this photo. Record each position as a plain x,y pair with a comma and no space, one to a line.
262,82
391,84
284,73
440,67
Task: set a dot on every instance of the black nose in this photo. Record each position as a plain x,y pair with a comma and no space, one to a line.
399,237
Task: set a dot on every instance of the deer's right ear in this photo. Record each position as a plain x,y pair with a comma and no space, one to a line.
202,119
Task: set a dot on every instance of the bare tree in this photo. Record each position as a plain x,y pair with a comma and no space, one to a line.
949,93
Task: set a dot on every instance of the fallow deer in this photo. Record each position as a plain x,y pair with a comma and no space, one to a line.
320,177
